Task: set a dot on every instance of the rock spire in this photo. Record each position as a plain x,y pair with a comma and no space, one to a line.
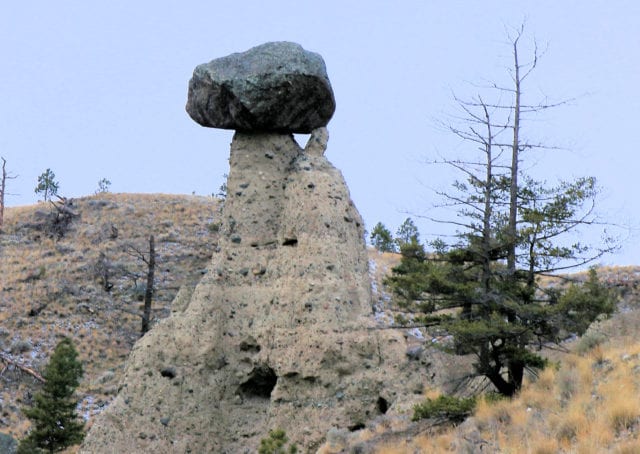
279,333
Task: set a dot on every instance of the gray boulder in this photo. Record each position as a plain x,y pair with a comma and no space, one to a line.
274,87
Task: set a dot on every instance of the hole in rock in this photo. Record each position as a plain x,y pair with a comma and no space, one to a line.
260,383
290,242
250,345
168,372
358,426
382,405
301,139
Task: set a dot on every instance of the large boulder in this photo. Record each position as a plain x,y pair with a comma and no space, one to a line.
274,87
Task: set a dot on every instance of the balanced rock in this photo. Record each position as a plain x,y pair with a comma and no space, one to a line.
279,333
274,87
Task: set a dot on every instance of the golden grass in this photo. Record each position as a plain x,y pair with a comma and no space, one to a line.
589,404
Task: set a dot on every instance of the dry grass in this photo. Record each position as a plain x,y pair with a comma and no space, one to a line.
589,403
58,280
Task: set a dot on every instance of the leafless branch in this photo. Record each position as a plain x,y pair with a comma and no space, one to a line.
8,360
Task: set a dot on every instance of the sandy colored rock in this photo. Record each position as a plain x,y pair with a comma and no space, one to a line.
279,332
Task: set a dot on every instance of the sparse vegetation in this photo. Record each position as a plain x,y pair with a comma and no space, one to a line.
589,402
275,443
63,281
103,186
222,190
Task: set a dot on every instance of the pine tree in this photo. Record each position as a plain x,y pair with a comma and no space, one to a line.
381,238
407,233
55,424
484,289
47,185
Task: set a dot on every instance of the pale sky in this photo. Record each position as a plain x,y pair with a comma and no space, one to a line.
97,90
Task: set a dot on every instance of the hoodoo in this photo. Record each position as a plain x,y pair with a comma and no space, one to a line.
278,333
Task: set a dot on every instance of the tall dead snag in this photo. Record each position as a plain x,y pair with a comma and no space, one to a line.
150,261
3,185
148,293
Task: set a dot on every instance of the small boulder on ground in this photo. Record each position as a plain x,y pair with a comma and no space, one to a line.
274,87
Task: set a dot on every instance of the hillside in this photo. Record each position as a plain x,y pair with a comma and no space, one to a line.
53,287
585,402
89,285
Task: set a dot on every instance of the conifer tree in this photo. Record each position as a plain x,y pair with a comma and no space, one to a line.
54,422
381,238
484,289
407,233
47,185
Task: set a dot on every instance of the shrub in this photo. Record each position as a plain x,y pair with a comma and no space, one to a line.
589,341
274,443
455,409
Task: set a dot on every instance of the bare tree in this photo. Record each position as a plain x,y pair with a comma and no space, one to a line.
150,261
62,215
3,186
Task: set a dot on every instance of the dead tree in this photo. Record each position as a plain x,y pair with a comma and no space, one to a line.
150,261
62,215
148,294
27,370
3,186
102,270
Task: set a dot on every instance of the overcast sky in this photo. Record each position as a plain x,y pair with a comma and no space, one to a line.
97,90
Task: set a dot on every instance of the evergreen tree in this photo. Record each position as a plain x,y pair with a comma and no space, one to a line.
103,186
484,289
381,238
407,233
55,424
47,185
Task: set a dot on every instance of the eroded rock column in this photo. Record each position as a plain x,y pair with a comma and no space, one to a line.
278,333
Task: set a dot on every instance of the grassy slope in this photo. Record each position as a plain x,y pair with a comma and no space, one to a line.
589,404
64,276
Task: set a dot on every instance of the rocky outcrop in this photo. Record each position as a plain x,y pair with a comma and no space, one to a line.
273,87
278,334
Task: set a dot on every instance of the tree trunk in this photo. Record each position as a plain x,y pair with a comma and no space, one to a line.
515,150
504,387
491,366
516,374
148,294
2,188
488,207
